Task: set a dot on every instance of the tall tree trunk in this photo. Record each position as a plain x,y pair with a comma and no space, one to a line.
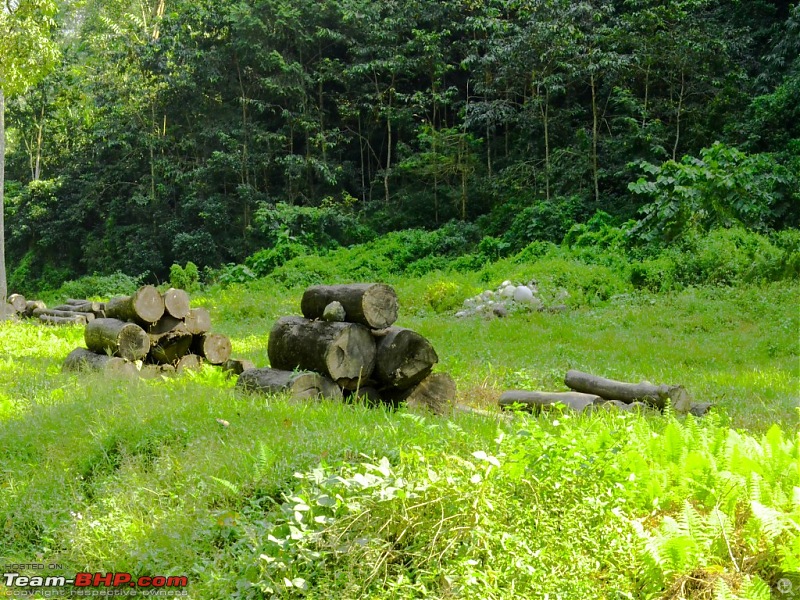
3,283
594,142
545,110
678,118
388,149
363,167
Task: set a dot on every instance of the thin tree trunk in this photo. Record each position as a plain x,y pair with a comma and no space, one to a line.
388,149
363,168
3,284
678,119
594,142
545,109
646,95
37,170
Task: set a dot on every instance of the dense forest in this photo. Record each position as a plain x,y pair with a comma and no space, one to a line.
171,131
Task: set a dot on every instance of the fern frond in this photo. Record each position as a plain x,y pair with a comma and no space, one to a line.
227,484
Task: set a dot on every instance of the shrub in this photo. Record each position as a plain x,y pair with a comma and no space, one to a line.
100,286
444,296
187,278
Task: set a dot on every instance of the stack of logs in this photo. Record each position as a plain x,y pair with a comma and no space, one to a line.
160,330
345,345
591,392
72,312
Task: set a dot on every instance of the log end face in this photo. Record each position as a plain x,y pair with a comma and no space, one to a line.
380,306
176,303
148,304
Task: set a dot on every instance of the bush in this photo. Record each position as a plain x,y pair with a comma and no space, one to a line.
444,296
264,262
187,278
100,286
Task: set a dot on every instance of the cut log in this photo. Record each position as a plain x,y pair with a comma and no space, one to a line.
190,362
436,393
655,395
76,301
77,319
32,305
334,312
144,307
198,321
403,358
165,324
52,312
345,352
18,302
168,348
536,401
236,366
370,304
82,359
214,347
176,303
112,336
86,307
300,385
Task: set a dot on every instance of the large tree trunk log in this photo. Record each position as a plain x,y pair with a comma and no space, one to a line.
32,305
176,303
144,307
198,321
236,366
52,312
156,371
214,347
536,401
190,362
112,336
165,324
370,304
645,391
168,348
18,302
437,393
77,319
300,385
403,358
345,352
82,359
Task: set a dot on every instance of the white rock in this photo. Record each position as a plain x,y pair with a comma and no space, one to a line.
508,291
461,314
487,295
533,288
523,294
505,283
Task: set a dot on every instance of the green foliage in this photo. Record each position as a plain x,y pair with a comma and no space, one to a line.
185,278
722,188
99,286
446,295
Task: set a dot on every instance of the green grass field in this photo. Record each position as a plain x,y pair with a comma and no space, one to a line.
323,500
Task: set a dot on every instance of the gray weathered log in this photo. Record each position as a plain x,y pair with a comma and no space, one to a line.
436,393
236,366
176,303
168,348
77,319
198,321
86,307
144,307
609,389
112,336
52,312
214,347
345,352
299,385
32,305
403,358
190,362
165,324
82,359
370,304
536,401
18,302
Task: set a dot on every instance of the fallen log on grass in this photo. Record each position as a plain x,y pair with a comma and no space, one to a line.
370,304
85,307
145,306
537,401
345,352
436,393
190,362
236,366
32,305
18,302
214,347
53,312
76,319
609,389
82,359
403,358
156,371
299,385
112,336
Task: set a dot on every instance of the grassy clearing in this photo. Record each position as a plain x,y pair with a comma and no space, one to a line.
338,501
